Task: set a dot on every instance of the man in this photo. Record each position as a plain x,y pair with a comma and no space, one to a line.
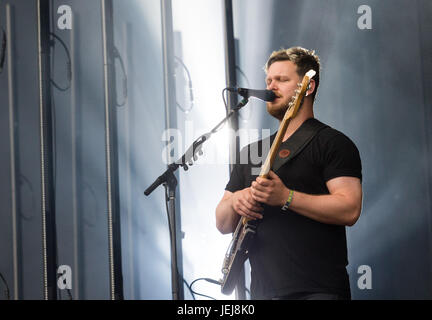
299,252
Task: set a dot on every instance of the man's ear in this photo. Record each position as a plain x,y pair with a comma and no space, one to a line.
311,87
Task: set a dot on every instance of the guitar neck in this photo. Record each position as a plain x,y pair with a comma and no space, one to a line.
289,114
265,168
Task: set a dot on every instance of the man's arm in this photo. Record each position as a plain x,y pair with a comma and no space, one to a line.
234,205
341,207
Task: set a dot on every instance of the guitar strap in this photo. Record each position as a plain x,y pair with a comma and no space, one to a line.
297,142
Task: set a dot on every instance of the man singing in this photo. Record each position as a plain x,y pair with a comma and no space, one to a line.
299,250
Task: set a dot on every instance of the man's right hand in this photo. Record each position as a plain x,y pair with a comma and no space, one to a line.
235,205
245,205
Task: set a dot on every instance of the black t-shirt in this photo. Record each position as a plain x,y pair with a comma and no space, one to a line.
292,253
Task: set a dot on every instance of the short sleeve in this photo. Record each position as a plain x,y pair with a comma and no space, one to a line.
341,158
237,177
236,181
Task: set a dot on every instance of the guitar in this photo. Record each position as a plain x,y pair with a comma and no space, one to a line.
237,251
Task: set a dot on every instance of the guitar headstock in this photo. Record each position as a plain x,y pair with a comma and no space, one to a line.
294,105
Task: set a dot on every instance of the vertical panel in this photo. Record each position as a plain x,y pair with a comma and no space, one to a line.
141,122
81,179
8,185
424,8
65,83
20,208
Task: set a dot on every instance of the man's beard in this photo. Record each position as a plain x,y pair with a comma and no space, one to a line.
277,111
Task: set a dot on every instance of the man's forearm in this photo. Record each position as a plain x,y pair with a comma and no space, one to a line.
226,217
331,209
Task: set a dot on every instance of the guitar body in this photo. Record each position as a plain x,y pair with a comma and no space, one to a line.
237,255
237,252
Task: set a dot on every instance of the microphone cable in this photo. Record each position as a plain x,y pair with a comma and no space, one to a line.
208,280
247,118
7,292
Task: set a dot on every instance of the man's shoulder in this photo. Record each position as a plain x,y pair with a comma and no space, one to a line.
332,138
326,134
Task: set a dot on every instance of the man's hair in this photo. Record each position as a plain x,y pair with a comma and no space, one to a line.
303,58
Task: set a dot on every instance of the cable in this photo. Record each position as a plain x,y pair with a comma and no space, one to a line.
224,101
208,280
54,155
190,88
245,119
90,220
7,292
24,181
68,64
190,290
3,50
244,75
226,111
125,80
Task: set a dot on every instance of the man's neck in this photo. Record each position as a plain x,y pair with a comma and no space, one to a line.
305,113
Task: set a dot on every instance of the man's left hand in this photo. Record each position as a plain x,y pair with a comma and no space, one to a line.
270,190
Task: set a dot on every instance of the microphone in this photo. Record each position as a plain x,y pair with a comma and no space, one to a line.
265,95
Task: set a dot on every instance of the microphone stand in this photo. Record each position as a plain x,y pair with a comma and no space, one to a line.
169,181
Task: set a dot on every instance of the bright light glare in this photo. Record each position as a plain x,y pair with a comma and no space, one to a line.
200,25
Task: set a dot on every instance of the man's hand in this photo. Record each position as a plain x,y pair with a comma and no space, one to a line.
244,204
270,190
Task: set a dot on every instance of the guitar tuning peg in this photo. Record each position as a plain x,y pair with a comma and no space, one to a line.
299,85
185,167
195,157
200,153
297,91
190,163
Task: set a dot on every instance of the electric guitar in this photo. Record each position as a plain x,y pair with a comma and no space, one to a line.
237,251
